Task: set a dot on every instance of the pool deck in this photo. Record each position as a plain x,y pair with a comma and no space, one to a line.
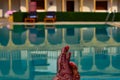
115,24
57,23
54,23
6,22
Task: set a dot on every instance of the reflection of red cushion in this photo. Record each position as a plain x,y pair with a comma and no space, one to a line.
72,65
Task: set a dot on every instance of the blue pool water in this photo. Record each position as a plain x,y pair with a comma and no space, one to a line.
31,53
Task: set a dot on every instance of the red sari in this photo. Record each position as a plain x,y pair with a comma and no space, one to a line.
74,68
64,69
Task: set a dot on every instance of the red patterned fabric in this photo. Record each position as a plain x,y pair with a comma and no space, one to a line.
74,68
64,66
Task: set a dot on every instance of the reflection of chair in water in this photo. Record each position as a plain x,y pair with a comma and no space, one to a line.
70,32
50,17
54,35
29,26
72,36
41,33
49,26
50,29
36,36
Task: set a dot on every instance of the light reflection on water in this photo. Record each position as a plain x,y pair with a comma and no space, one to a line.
39,63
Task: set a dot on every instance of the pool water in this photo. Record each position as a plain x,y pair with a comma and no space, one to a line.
30,52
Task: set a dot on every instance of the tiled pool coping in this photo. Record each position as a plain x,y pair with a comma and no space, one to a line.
5,21
116,24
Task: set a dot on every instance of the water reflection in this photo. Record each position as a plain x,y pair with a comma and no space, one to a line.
40,34
36,36
116,33
54,35
19,34
4,62
87,31
19,65
115,60
4,36
102,58
102,34
72,35
43,63
39,63
86,59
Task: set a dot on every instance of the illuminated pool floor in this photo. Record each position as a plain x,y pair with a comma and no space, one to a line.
31,54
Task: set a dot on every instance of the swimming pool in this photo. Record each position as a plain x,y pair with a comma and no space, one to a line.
31,53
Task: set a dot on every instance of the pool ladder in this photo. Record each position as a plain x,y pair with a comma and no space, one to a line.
113,17
108,16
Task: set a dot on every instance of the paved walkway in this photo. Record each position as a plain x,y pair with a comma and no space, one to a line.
4,21
115,24
52,23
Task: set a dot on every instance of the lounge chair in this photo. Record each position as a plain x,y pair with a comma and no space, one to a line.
50,17
32,17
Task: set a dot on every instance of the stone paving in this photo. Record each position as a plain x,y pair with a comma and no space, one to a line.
4,21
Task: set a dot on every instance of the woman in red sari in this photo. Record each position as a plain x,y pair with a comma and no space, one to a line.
66,68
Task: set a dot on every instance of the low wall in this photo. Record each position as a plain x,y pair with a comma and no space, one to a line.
71,16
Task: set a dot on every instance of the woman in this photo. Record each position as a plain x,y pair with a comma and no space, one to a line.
65,69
